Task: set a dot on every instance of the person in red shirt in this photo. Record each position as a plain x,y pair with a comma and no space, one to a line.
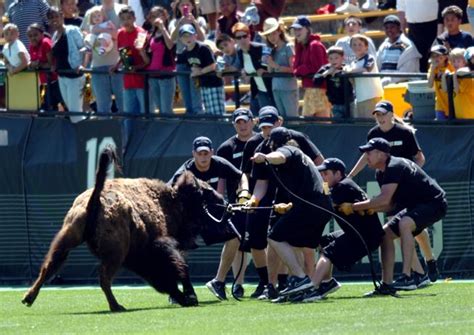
130,40
41,58
310,55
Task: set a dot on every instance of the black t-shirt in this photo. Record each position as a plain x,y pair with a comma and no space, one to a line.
414,185
461,40
348,191
220,168
402,140
261,171
60,54
249,150
334,86
299,173
232,150
73,21
202,56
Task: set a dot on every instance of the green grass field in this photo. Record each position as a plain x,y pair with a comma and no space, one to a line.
444,308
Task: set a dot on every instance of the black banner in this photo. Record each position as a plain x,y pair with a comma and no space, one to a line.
47,162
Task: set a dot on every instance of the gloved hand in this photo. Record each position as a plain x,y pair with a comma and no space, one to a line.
243,196
370,211
282,208
346,208
252,202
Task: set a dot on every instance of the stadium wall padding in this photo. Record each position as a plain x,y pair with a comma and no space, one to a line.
46,162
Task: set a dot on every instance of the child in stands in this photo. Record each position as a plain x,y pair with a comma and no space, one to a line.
439,65
463,87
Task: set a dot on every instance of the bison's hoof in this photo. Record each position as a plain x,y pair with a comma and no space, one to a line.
191,300
117,308
28,299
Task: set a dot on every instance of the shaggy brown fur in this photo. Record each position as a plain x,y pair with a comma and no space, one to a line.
141,224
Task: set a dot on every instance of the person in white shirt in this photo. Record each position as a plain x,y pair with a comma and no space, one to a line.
421,18
397,53
16,56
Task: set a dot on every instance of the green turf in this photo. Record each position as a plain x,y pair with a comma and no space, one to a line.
444,308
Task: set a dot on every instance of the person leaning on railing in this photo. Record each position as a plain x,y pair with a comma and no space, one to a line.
16,55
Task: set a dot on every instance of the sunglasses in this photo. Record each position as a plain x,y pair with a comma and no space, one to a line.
240,37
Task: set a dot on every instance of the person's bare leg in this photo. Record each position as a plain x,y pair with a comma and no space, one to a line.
423,240
289,256
236,266
388,255
309,261
415,263
274,262
227,256
406,227
322,272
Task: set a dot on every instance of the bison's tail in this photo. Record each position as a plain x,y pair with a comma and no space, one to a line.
107,157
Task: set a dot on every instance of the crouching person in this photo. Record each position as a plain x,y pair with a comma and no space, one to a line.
343,248
301,227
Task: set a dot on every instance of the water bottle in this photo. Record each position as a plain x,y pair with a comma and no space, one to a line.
266,52
220,64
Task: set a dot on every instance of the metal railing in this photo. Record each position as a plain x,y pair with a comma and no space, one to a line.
237,94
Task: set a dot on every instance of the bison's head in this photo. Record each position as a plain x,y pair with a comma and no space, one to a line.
196,196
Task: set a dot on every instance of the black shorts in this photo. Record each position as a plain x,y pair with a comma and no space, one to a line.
424,215
303,225
344,250
256,230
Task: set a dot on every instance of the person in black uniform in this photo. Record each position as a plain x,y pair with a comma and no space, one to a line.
259,221
422,202
404,144
232,150
302,226
343,248
215,171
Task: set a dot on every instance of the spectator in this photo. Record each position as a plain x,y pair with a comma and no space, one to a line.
251,59
138,9
331,73
454,37
23,13
397,53
186,13
84,5
226,45
463,87
368,90
210,8
268,8
229,17
439,65
285,90
446,3
106,84
203,65
420,16
67,45
130,43
16,55
69,8
310,55
161,48
100,43
352,26
42,58
147,5
470,13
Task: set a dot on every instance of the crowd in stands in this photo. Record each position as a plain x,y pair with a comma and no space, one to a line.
204,41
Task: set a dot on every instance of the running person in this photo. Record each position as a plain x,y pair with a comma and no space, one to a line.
343,248
404,144
215,171
302,226
422,200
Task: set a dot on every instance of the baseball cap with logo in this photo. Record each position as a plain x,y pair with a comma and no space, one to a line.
267,116
300,22
376,143
384,107
242,114
334,164
202,143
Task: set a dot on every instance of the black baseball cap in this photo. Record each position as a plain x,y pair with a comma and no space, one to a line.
279,136
384,107
378,143
242,114
391,19
267,116
334,164
202,143
300,22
